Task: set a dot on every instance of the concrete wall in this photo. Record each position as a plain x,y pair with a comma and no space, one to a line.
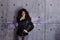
45,15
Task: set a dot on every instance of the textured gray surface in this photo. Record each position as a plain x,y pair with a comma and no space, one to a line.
45,15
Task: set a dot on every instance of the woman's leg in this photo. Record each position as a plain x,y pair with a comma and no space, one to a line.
19,38
26,37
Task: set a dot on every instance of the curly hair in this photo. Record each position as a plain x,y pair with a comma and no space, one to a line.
20,14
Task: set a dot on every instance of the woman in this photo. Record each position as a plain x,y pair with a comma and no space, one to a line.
25,24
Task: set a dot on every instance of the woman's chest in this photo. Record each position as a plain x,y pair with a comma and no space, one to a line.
23,23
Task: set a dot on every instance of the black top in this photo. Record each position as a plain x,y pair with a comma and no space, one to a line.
24,24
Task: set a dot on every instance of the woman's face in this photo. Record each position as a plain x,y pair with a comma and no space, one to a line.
23,14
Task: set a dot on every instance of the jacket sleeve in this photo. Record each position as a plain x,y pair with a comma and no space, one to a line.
30,27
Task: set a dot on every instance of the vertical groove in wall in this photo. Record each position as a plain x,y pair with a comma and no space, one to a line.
45,19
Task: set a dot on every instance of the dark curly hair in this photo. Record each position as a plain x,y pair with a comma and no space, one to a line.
20,15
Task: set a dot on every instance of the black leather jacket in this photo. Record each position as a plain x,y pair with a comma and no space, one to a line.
24,24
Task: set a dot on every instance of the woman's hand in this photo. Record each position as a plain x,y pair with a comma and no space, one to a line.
22,18
25,31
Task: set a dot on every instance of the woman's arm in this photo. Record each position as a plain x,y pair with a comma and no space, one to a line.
30,26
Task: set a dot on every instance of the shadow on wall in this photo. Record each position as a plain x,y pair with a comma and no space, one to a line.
57,34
